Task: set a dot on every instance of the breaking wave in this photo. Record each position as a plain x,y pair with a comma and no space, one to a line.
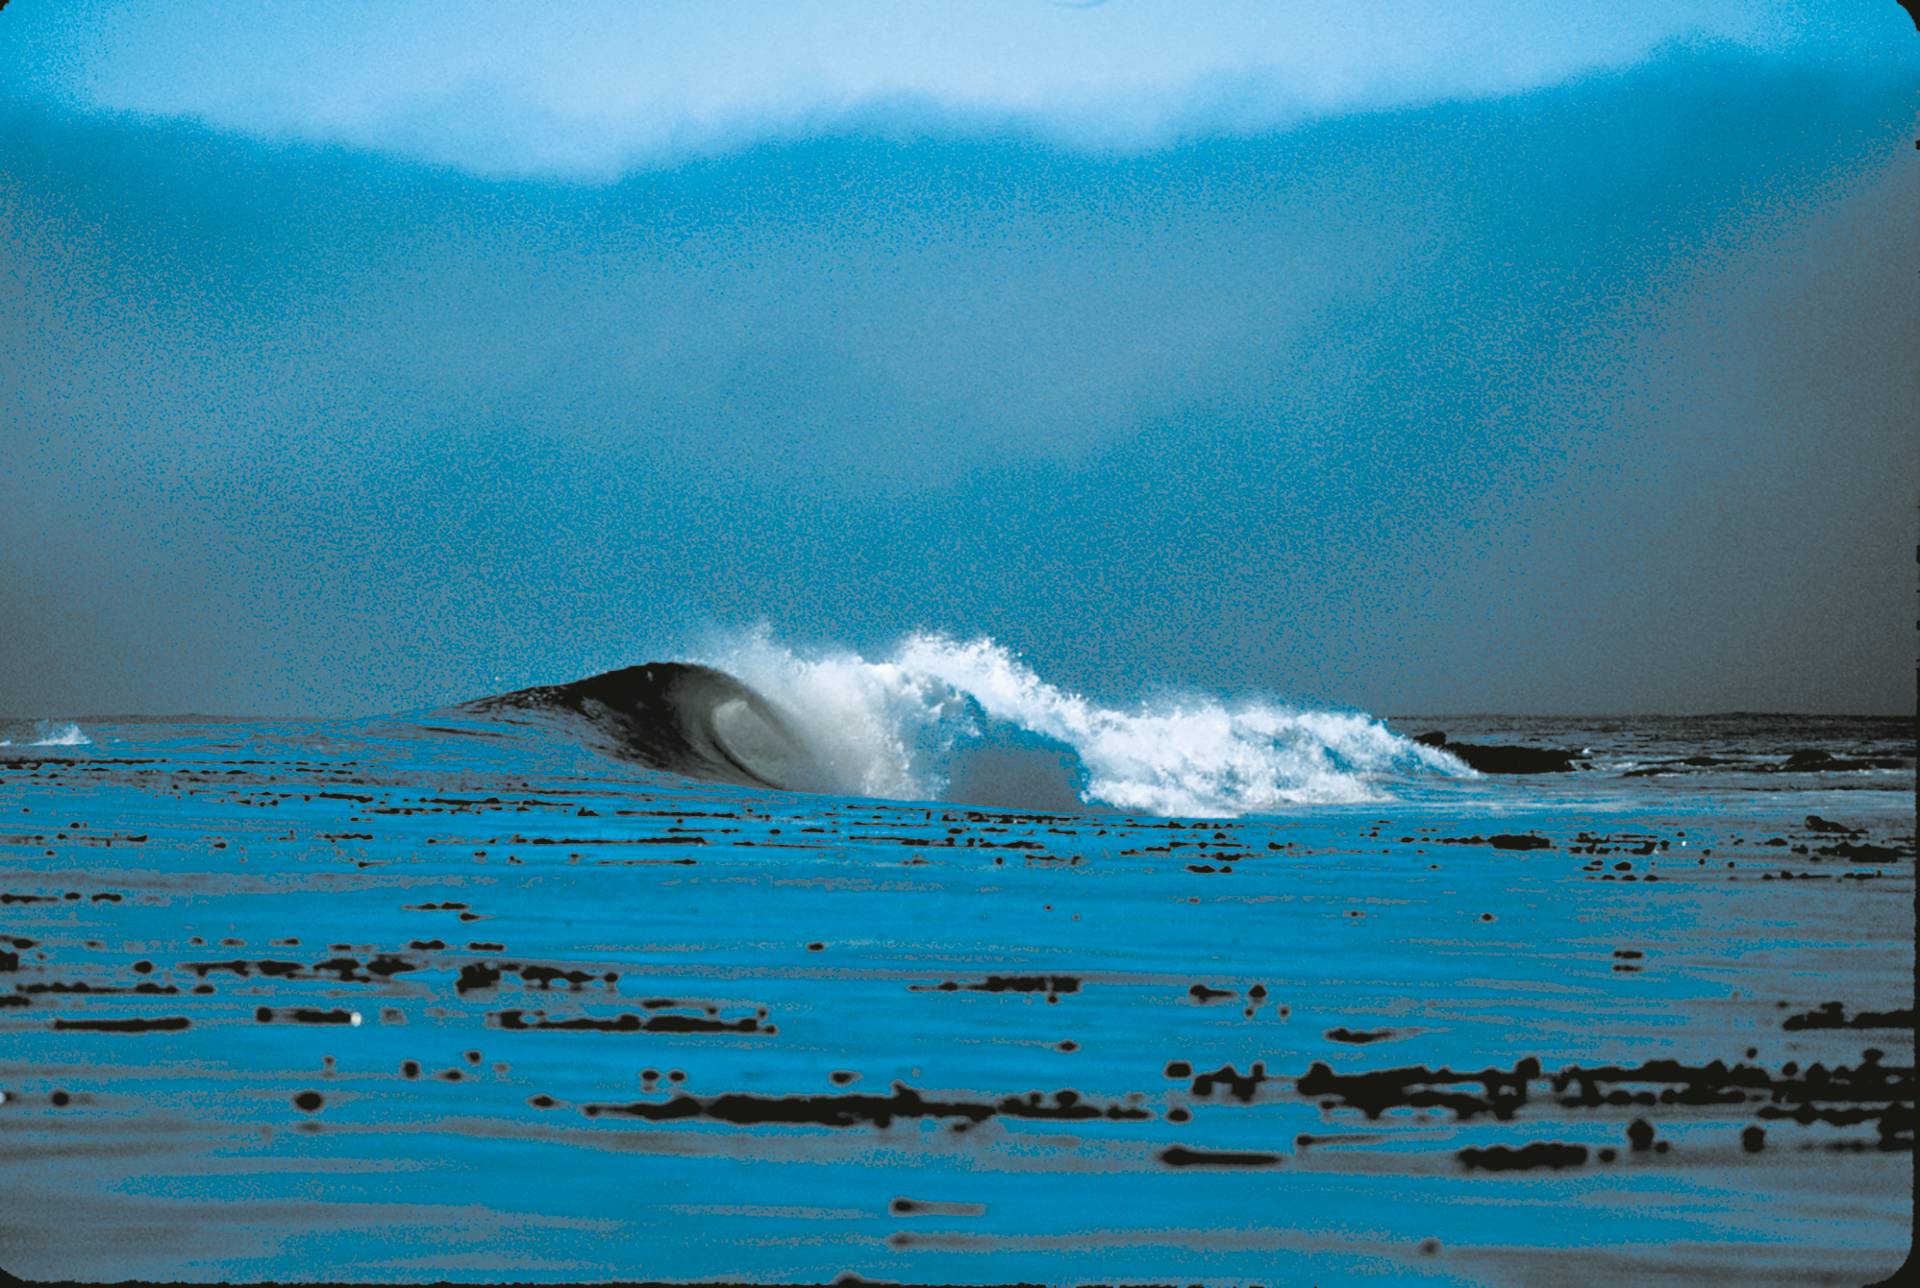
967,721
48,733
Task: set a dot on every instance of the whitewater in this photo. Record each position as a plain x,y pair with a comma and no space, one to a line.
49,733
905,725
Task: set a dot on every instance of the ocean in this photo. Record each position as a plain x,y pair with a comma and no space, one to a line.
577,983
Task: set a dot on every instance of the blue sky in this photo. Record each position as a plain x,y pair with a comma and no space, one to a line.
1536,361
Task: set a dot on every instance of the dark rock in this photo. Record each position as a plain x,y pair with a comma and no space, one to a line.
1501,759
1500,1158
1181,1156
1833,1015
476,975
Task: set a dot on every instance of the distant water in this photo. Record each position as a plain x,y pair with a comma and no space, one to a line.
1734,750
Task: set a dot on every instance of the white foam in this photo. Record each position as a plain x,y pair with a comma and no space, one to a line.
64,734
886,728
876,727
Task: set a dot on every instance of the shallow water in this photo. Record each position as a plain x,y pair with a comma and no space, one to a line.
435,1000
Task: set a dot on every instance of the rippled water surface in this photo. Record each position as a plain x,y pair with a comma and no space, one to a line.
419,1000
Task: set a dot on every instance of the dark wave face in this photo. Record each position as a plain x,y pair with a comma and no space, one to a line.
674,716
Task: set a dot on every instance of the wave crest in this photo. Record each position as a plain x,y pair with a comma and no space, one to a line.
53,733
916,724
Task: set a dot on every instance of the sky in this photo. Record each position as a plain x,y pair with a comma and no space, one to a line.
1513,358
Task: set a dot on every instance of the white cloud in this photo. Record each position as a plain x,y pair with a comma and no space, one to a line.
590,89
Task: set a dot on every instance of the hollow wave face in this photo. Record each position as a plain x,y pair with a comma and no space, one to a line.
686,719
942,718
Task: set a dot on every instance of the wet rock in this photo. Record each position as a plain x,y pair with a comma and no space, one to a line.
476,975
1833,1015
171,1024
1500,1158
1241,1086
1181,1156
1497,758
741,1109
1420,1088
